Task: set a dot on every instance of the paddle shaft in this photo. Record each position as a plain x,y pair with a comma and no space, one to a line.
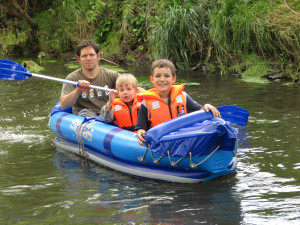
10,70
66,81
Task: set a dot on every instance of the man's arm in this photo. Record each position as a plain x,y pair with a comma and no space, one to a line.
68,100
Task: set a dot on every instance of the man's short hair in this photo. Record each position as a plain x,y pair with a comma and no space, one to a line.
87,43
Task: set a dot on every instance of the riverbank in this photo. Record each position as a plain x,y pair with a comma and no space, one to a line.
247,39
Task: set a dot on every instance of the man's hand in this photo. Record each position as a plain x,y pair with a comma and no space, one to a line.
83,86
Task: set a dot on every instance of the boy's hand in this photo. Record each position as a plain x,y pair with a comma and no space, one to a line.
215,112
112,96
140,90
140,136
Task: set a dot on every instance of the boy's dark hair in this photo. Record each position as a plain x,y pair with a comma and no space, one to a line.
161,63
87,43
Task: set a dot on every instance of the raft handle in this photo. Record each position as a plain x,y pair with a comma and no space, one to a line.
142,158
194,166
172,162
156,161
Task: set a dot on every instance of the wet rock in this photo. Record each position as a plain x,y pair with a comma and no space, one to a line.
195,67
235,74
32,66
70,56
204,69
277,76
273,77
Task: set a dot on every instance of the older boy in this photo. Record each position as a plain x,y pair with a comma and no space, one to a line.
165,101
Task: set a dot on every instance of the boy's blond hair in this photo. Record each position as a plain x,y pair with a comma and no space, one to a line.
126,79
161,63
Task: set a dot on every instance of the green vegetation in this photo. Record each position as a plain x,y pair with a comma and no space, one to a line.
179,34
252,68
221,33
115,68
73,66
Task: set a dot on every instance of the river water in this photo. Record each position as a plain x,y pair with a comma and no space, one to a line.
40,184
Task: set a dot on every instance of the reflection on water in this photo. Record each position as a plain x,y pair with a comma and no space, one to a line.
122,196
40,184
266,197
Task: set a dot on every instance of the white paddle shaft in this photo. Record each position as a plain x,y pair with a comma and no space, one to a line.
68,81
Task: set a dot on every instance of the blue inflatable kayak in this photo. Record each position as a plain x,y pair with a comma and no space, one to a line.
189,149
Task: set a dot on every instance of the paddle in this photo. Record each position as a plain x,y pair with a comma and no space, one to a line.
10,70
234,115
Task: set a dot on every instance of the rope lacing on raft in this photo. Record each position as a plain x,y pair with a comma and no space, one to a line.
173,163
142,158
79,133
194,166
156,161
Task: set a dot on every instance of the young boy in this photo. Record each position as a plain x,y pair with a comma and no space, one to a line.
124,110
165,101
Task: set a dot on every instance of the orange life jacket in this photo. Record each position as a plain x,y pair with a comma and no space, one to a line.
124,117
159,110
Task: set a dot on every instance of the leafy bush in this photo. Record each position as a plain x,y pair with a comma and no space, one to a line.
180,34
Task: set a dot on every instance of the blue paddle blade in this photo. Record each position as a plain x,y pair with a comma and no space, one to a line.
234,115
10,70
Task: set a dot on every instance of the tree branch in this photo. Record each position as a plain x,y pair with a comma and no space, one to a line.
32,23
6,10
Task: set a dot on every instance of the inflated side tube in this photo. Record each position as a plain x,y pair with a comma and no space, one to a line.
57,108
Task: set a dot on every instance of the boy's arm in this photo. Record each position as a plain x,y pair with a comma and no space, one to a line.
107,112
142,124
107,115
215,112
142,120
112,96
193,106
140,136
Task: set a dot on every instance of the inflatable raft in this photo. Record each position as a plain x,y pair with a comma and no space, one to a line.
189,149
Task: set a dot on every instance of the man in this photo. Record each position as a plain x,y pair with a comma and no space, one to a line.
83,100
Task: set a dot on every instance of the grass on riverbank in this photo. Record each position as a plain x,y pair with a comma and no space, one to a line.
188,32
74,66
252,68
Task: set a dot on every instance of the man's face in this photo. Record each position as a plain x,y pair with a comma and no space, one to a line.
88,58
